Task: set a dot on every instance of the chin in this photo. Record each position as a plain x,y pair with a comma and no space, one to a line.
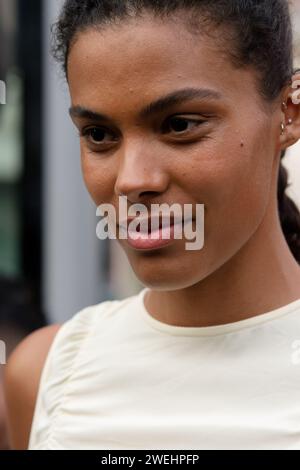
163,276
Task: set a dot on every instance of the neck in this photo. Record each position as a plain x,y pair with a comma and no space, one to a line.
261,277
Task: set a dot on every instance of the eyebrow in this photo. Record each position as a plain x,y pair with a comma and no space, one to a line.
157,106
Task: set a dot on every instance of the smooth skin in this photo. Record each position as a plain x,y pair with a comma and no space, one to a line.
226,157
21,380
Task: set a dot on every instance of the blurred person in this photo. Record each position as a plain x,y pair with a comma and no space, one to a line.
182,102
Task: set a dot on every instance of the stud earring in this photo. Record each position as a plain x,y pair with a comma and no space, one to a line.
282,128
284,105
290,121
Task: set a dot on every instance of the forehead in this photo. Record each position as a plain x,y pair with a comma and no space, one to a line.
145,57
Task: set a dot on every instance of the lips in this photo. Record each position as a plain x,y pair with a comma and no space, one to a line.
147,224
141,236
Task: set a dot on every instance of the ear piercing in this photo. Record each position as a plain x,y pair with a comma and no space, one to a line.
289,122
283,126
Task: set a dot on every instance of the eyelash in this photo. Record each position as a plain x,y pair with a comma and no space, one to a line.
86,132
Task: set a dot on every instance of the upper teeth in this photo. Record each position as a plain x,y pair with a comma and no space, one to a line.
155,224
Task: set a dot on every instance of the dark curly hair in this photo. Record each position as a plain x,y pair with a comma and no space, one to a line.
257,32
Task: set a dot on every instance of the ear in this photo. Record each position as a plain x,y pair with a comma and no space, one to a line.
290,107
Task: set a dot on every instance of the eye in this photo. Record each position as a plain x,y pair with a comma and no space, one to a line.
98,135
181,125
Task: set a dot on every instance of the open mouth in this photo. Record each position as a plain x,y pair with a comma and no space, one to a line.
153,232
153,224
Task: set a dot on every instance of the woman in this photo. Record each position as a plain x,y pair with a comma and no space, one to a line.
187,102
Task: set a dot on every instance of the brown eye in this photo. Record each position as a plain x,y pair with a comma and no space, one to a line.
98,135
180,125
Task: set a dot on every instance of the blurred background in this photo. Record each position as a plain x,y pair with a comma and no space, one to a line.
51,262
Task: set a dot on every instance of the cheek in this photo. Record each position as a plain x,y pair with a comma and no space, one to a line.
233,182
98,177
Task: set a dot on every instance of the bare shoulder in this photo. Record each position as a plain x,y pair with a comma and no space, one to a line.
22,375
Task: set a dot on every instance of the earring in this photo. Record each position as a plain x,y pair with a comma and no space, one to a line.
290,121
284,105
282,128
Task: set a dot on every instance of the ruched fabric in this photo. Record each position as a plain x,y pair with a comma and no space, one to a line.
117,378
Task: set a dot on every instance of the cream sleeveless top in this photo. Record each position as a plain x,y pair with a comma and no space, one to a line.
117,378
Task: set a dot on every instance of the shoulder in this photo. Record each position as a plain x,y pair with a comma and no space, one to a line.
40,366
21,381
43,356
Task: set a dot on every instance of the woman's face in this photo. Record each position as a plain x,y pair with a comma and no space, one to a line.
224,154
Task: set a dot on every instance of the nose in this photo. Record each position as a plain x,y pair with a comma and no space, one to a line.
141,174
